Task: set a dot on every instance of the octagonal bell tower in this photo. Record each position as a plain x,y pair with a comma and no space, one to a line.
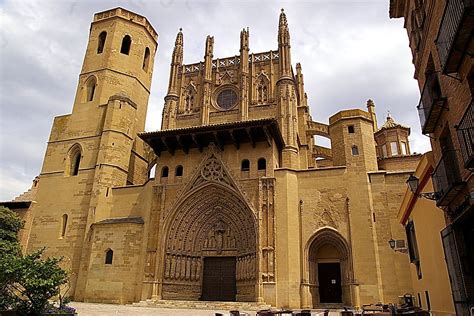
118,60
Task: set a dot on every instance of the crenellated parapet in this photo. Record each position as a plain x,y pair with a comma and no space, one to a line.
127,15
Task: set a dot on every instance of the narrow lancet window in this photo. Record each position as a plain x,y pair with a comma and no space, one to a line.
109,256
76,163
146,59
126,43
73,160
179,171
262,90
101,43
164,172
90,88
245,165
262,164
63,225
189,99
355,150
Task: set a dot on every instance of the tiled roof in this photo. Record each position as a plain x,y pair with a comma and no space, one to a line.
390,123
200,128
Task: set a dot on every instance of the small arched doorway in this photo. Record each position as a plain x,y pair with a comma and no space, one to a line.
329,268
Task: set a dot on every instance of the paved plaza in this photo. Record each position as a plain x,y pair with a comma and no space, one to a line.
112,309
85,309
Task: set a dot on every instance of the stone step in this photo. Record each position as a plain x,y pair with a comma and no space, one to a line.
250,306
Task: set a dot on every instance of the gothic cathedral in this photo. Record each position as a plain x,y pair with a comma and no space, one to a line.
232,200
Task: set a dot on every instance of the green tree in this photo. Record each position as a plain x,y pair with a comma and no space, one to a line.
28,281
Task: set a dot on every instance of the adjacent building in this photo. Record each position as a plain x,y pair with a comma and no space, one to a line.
441,41
423,223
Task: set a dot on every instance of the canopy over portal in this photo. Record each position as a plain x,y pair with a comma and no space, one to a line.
222,134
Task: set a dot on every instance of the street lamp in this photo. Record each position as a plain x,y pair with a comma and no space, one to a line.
413,183
393,244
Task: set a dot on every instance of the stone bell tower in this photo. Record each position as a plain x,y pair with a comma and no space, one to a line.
96,148
113,91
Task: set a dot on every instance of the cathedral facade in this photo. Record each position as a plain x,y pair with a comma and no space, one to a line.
232,200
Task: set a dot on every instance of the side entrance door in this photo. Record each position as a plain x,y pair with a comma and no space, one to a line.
219,282
329,276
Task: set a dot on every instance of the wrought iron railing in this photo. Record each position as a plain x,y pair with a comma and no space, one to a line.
446,177
452,19
465,131
431,103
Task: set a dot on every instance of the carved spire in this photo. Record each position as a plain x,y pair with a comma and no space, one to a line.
284,46
244,73
207,80
208,54
300,85
244,40
283,22
179,38
244,50
176,63
371,110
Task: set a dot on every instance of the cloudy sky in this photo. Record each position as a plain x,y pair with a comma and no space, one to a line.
350,51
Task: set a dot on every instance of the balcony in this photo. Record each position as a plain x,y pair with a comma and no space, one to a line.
455,33
465,130
431,104
447,179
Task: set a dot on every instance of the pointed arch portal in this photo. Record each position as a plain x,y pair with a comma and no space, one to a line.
329,268
211,241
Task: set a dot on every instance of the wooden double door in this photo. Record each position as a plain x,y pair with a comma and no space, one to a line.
219,279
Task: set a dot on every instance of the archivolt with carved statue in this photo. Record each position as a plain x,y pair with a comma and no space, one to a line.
212,220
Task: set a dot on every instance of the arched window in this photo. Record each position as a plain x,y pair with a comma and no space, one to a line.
179,171
245,165
262,89
75,164
63,225
109,256
164,172
189,102
262,164
146,59
355,150
101,43
126,43
90,88
189,97
151,173
73,160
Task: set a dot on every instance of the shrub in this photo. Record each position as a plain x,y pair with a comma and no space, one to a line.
28,281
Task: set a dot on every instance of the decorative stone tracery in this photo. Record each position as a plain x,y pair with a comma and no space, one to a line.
267,189
212,219
263,87
189,99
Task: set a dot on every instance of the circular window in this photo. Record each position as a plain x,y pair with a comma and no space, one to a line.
226,99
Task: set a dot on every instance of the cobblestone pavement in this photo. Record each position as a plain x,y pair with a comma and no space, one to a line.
86,309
